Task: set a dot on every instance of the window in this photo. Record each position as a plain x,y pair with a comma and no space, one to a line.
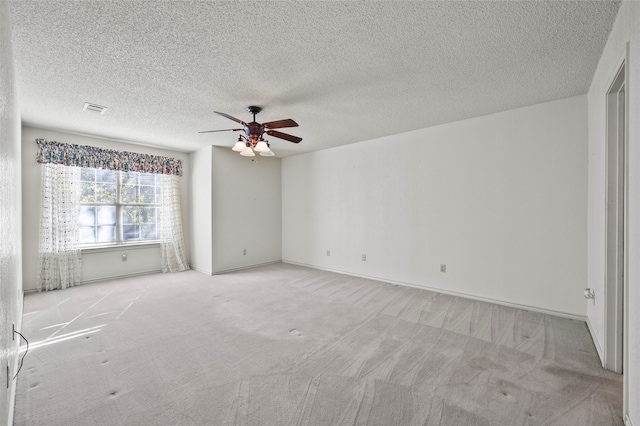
118,207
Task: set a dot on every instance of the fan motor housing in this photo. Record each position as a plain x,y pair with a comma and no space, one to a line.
254,130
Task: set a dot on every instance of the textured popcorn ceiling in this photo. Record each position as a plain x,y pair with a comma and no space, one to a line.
345,71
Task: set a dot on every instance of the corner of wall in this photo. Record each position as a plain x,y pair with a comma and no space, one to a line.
200,199
10,218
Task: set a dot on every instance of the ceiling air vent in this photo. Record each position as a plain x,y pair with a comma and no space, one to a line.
94,108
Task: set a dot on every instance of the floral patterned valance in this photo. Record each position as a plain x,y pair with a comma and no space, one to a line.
109,159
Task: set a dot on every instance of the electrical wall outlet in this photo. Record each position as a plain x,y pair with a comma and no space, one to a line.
328,252
123,257
443,267
244,252
364,257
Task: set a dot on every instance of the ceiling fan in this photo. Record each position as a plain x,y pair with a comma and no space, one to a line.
253,139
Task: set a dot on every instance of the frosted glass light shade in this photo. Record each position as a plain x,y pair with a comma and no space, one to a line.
261,147
239,146
267,154
247,152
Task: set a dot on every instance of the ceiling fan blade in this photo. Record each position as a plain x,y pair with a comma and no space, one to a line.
237,120
222,130
280,124
284,136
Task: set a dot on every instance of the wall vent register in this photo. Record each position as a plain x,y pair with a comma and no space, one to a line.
98,109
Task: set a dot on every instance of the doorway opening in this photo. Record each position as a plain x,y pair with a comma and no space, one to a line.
615,223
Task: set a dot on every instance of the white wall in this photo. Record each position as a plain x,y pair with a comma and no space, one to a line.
10,214
96,264
201,198
246,210
499,199
626,31
237,206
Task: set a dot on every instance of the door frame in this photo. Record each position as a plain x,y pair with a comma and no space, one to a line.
616,216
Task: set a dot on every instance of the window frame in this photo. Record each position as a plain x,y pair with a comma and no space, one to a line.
119,207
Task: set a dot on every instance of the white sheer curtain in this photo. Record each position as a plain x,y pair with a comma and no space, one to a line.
174,258
59,259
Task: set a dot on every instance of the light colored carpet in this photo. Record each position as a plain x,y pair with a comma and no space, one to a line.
287,345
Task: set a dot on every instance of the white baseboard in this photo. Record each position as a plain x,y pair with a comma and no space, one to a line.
12,388
241,268
451,293
202,271
596,342
113,277
117,277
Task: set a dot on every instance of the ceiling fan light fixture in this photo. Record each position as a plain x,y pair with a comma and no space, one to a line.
253,139
247,152
239,146
261,146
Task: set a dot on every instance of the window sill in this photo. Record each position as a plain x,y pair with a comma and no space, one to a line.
120,246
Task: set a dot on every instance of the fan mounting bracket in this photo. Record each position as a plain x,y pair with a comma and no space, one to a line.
254,109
